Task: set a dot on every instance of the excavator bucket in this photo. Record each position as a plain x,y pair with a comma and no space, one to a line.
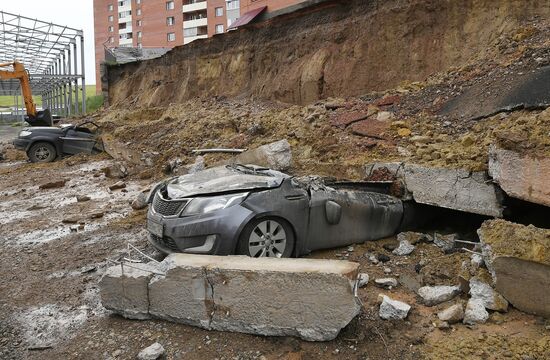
42,118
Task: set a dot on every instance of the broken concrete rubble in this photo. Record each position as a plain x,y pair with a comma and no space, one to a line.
452,314
393,309
456,189
387,283
521,176
152,352
276,156
222,293
518,258
404,248
475,312
491,299
433,295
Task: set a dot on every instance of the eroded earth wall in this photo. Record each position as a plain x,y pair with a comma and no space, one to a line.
331,49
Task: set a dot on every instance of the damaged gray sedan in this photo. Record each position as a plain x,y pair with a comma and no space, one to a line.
259,212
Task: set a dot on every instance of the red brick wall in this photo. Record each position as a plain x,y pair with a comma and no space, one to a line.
155,31
101,32
212,19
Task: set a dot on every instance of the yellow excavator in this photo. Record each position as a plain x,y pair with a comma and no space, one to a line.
34,118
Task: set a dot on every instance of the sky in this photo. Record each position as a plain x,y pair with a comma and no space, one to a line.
77,14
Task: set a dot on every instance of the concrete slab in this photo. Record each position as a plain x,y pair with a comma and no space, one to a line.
307,298
521,176
518,258
124,290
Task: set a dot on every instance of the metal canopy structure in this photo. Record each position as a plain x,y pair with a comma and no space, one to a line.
54,57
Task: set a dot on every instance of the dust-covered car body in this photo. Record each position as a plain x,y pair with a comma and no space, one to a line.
48,143
260,212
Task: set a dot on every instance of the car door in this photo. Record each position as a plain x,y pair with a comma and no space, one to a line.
77,141
340,217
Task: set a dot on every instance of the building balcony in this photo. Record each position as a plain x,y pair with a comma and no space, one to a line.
187,40
195,23
123,42
127,30
194,7
125,19
126,7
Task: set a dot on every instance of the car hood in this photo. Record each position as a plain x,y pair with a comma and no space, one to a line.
221,180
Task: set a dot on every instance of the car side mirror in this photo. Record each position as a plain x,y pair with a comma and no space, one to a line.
333,212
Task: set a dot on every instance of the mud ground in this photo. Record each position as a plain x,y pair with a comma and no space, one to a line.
55,249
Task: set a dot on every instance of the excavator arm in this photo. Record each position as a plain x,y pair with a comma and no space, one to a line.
19,72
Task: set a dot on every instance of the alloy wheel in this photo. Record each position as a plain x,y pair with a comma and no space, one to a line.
268,239
42,153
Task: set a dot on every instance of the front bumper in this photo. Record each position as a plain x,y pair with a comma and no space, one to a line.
215,233
21,144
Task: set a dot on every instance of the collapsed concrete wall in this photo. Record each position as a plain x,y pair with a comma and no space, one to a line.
335,48
306,298
456,189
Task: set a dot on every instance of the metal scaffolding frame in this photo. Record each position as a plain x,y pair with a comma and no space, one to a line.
54,57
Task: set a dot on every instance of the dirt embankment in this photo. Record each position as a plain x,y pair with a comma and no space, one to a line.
338,48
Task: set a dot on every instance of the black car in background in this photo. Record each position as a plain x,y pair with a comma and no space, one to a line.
48,143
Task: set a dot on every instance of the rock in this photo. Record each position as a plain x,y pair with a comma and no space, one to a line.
384,116
403,132
82,198
404,248
414,237
383,258
53,184
445,242
433,295
373,259
197,166
387,283
117,186
387,270
452,314
140,202
442,325
362,280
521,176
221,293
410,282
125,291
518,258
276,156
476,262
467,140
152,352
393,309
484,292
475,312
115,171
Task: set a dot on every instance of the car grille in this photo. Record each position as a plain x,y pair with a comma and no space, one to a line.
167,207
165,242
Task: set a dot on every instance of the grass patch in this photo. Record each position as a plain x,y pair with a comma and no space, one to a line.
8,101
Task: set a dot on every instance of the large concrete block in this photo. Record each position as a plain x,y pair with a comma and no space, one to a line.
518,257
124,290
456,189
521,176
276,156
310,299
183,294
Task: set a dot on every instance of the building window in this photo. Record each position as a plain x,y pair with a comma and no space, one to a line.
219,11
111,29
233,4
121,3
138,12
219,29
110,7
124,14
138,23
140,45
139,34
169,5
111,18
170,21
171,36
111,40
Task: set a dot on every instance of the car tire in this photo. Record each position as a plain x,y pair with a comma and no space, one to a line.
267,237
42,152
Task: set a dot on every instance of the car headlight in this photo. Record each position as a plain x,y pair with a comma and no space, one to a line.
209,204
24,133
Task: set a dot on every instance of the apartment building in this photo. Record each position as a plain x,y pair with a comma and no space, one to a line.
168,23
